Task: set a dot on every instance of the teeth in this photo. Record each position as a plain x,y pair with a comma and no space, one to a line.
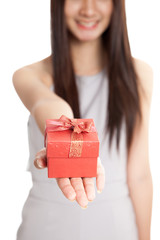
90,24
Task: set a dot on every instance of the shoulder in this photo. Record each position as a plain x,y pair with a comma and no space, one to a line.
41,70
145,78
144,71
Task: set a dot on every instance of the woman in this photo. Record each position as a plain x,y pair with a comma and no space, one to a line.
90,74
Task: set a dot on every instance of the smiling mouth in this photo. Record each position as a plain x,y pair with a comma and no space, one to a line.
87,25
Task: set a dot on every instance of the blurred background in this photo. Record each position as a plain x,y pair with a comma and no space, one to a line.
25,38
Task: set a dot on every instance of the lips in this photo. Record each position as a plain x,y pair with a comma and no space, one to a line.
87,25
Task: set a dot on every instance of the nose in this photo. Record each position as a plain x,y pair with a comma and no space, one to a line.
88,8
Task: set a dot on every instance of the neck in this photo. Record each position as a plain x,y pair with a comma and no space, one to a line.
88,57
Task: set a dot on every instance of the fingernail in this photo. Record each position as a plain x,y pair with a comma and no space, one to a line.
72,200
84,207
91,197
38,163
99,191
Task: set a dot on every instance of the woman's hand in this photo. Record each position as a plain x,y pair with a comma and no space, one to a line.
79,189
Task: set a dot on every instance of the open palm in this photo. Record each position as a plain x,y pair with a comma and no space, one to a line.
80,189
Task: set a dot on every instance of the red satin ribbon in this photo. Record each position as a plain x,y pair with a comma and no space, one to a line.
64,123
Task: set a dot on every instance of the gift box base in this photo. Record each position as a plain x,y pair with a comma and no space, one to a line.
72,167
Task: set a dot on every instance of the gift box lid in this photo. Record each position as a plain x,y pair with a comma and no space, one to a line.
58,143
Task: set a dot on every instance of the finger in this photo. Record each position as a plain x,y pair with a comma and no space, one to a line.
40,160
100,179
81,197
89,188
66,187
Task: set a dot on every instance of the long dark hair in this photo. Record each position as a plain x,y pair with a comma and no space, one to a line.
124,99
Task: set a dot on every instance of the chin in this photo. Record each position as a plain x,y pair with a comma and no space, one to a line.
86,38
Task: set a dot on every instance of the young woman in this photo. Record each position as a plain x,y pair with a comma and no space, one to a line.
90,74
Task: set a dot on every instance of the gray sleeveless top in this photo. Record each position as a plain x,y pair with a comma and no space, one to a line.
93,98
48,214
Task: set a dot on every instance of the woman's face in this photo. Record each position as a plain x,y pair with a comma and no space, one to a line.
88,19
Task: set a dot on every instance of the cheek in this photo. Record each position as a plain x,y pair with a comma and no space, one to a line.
70,9
107,11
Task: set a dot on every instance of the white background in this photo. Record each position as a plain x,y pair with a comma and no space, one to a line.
25,38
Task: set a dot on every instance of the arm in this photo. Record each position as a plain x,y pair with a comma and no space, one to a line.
37,97
139,176
43,104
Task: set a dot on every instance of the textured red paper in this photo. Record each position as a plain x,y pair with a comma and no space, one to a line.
60,165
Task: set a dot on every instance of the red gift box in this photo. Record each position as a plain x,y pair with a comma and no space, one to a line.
72,147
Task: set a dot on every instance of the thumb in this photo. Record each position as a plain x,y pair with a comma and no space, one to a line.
40,160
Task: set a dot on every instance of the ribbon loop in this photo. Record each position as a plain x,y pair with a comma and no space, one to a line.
65,123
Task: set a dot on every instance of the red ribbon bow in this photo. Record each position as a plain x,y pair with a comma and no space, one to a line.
65,123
